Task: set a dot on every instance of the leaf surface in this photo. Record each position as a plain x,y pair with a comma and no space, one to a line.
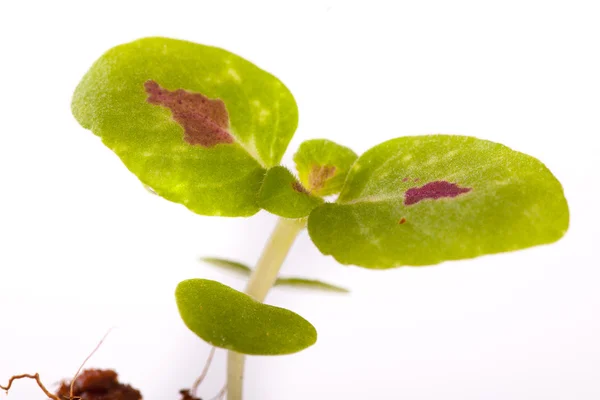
426,199
233,320
281,194
323,165
196,124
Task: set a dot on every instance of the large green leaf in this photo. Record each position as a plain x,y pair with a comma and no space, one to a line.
426,199
244,271
196,124
281,194
233,320
323,165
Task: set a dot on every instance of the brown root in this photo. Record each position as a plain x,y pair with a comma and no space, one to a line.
98,384
35,377
187,395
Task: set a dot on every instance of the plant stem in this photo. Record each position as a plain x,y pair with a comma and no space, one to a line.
274,253
262,279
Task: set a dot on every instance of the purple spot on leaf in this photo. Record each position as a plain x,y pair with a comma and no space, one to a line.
433,190
205,121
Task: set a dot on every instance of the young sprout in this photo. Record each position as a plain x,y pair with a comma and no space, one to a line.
205,128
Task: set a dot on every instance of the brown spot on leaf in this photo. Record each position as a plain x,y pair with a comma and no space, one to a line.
405,179
297,186
433,190
319,175
402,221
205,121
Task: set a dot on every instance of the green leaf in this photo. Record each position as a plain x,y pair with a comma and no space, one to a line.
228,265
245,271
323,165
281,194
426,199
233,320
312,284
196,124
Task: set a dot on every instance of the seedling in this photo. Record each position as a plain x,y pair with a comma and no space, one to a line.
205,128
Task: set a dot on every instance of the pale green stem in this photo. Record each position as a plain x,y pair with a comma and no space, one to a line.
262,279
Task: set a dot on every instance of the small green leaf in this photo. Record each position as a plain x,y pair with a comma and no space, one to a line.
427,199
323,165
281,194
310,284
233,320
228,265
245,271
196,124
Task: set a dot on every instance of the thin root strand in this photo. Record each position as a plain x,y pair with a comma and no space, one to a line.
204,372
221,394
35,377
85,361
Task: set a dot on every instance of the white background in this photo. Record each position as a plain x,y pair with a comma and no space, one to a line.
84,247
